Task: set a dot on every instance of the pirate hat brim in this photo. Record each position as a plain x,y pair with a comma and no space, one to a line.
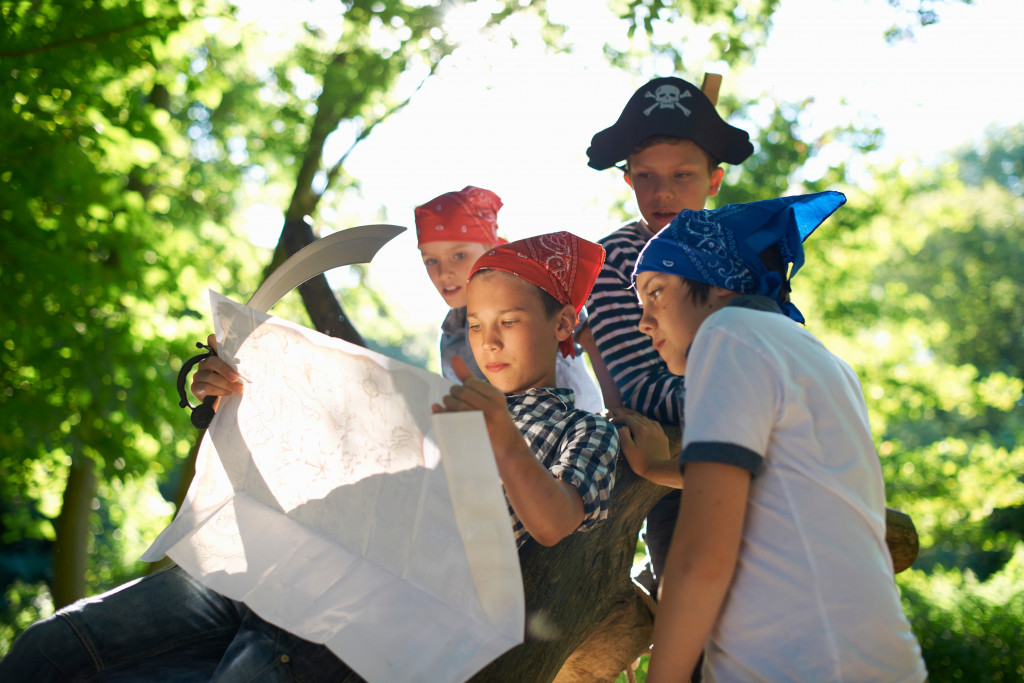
668,106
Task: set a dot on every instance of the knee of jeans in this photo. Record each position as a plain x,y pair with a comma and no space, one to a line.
48,651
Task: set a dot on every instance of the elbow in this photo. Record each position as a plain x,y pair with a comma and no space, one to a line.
549,538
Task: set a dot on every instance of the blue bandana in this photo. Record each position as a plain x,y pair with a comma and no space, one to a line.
722,247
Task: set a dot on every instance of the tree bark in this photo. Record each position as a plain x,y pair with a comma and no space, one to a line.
71,529
579,586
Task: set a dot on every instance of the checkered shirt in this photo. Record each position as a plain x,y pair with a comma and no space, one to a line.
577,447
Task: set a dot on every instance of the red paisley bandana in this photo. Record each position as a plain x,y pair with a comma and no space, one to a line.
562,264
469,215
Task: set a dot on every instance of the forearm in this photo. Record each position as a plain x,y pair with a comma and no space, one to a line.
609,390
664,472
550,509
699,569
691,598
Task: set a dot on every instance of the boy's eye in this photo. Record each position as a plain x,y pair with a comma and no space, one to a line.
683,175
429,261
458,256
474,328
509,323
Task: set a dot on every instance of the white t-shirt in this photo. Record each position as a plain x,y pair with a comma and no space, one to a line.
813,597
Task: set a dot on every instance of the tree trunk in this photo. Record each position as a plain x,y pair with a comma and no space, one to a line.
580,591
70,548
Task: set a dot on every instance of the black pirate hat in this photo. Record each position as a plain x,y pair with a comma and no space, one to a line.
669,106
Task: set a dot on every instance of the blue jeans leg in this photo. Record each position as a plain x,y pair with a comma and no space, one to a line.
661,523
165,627
264,653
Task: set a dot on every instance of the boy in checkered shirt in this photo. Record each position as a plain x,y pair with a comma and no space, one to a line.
556,462
556,465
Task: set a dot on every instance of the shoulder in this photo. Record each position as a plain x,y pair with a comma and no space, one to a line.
559,434
748,324
454,320
627,240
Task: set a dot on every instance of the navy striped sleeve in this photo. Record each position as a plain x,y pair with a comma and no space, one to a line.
641,376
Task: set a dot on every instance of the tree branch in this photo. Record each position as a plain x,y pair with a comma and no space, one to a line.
90,38
365,133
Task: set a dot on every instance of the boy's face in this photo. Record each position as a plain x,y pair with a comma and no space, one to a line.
513,339
669,177
448,265
671,317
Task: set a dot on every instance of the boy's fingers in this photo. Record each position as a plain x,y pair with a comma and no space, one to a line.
621,412
629,421
453,403
214,377
460,369
625,437
214,365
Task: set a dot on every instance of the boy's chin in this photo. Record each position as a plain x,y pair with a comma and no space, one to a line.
505,385
507,388
655,226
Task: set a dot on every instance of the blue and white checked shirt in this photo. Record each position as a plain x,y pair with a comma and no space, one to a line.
577,447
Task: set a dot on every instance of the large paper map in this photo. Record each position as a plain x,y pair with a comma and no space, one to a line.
331,501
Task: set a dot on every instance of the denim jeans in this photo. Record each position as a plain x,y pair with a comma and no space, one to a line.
170,628
661,523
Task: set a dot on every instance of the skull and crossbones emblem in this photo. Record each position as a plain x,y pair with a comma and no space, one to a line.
667,97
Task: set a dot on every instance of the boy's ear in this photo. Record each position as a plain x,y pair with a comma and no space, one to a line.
629,181
565,322
720,296
716,180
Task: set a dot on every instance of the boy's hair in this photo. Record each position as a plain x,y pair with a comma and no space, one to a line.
770,257
670,140
550,304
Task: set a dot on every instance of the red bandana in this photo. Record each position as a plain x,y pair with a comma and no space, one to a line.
562,264
469,215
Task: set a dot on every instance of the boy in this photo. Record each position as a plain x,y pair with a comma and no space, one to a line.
672,140
452,231
524,301
781,571
556,465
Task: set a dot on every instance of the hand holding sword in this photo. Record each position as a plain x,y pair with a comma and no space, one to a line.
215,378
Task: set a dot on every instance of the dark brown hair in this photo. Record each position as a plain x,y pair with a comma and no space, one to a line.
770,257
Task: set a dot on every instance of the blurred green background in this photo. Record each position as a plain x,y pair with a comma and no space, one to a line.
135,132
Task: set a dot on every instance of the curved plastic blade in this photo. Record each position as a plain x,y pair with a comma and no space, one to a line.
355,245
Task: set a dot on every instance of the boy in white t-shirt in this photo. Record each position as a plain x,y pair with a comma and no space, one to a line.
781,572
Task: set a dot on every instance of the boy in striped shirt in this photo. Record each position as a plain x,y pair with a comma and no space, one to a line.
672,141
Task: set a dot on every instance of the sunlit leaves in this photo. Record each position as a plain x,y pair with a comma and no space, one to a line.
969,630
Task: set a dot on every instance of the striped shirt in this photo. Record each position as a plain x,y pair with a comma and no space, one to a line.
577,447
643,379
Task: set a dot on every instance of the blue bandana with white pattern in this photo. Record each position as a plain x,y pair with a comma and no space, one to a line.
722,247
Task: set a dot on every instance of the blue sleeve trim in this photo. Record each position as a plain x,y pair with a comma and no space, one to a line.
721,452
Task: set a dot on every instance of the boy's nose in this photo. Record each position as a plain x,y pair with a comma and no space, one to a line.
492,340
646,325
